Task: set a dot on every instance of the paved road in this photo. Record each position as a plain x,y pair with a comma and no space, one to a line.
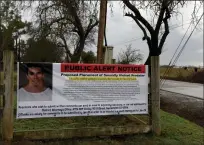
190,89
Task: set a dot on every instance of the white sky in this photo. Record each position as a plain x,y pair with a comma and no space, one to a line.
122,31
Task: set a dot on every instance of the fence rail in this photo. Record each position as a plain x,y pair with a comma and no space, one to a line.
80,132
137,126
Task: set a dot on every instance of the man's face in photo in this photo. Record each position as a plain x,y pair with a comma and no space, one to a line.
35,76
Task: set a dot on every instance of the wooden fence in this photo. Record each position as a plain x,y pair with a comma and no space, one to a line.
9,131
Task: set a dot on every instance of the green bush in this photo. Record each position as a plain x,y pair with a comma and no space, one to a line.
184,75
198,77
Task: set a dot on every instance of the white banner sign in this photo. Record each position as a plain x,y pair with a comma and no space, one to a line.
66,89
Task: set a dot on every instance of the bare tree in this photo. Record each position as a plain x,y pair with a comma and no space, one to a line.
130,55
72,23
162,11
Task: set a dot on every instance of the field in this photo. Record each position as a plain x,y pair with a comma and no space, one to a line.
181,74
175,72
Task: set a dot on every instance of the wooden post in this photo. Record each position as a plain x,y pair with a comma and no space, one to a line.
1,99
8,64
102,20
1,89
155,96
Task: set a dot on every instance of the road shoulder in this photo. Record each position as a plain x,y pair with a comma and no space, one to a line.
184,106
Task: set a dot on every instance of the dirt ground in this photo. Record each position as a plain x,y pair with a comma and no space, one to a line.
184,106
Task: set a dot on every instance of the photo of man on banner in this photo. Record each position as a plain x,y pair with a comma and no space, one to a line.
34,87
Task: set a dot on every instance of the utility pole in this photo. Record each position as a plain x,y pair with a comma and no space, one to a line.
102,21
19,50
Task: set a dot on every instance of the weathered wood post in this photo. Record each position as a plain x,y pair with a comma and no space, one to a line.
8,68
1,89
1,98
155,95
102,20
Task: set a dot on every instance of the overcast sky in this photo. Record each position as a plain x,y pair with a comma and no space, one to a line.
122,31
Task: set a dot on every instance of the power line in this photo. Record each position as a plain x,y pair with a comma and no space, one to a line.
180,52
168,69
139,38
187,39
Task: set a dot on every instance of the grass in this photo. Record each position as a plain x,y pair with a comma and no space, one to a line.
175,72
181,74
72,122
175,130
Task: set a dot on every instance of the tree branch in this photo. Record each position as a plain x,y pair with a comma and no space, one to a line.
77,47
70,4
75,30
67,17
160,19
165,20
65,44
138,15
90,27
44,10
56,21
146,37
